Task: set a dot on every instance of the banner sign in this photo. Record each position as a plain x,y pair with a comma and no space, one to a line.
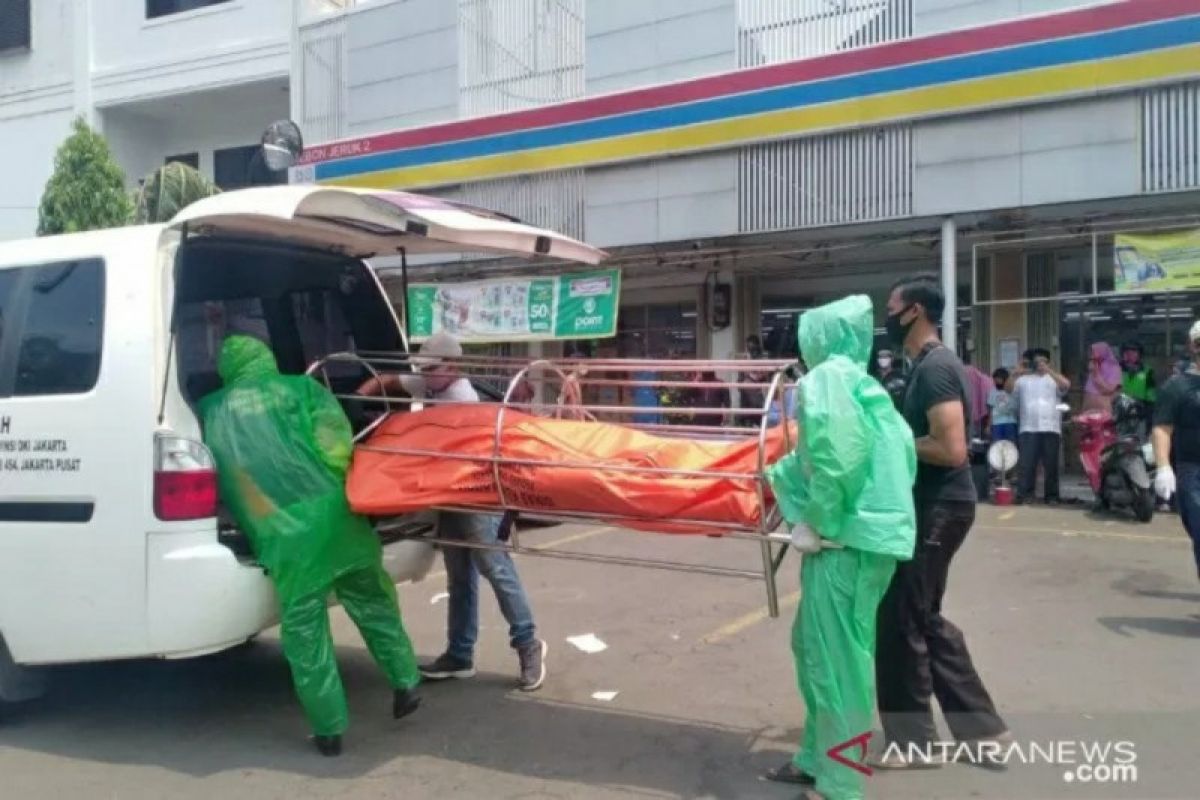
581,306
1154,261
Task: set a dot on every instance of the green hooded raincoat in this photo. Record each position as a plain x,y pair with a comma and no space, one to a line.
282,446
850,479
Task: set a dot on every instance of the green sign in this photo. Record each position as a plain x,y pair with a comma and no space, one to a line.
580,306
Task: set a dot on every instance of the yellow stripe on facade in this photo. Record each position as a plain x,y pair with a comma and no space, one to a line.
1070,80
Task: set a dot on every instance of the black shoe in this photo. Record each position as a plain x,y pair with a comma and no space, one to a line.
533,665
328,746
790,773
405,702
447,666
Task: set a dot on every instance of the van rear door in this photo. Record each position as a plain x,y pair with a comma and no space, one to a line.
367,223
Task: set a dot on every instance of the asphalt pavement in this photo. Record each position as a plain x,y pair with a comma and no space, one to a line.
1086,630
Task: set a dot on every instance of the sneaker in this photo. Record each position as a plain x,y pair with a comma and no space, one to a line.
533,665
404,702
328,746
447,666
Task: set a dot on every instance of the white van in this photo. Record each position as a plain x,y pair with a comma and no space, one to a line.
111,541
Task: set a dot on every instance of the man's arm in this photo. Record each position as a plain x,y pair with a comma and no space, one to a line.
393,384
1161,436
946,444
1061,381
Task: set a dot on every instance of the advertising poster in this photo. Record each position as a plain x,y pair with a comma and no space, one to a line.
580,306
1156,261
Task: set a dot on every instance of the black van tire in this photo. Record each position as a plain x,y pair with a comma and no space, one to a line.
17,683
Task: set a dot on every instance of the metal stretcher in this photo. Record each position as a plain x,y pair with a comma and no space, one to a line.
609,390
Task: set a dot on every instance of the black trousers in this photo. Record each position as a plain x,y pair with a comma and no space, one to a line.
1038,448
920,653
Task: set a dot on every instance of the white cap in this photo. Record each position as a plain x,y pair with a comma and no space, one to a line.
440,345
1194,335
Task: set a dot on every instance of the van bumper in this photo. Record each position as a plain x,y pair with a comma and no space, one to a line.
201,598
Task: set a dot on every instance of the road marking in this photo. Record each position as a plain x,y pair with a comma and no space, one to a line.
748,620
1132,537
577,537
1007,515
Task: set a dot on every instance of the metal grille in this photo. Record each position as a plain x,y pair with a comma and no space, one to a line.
841,178
516,54
551,200
1171,138
323,84
770,31
857,176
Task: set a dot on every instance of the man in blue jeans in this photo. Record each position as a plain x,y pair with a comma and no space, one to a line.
1177,442
440,381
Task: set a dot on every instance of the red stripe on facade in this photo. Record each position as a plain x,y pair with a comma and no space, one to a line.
1005,34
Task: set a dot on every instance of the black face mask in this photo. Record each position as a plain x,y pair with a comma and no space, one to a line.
897,331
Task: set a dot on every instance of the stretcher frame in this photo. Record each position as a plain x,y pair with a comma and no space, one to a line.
573,377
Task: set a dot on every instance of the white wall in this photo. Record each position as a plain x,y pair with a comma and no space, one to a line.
403,65
48,63
634,43
1049,154
143,135
938,16
663,200
220,45
36,103
26,161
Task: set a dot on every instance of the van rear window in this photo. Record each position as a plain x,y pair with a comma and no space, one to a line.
51,328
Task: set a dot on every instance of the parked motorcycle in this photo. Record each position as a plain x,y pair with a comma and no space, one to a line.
1116,459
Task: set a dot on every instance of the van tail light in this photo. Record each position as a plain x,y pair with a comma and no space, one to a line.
185,480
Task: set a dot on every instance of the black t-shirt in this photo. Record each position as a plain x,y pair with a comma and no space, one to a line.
1179,405
938,377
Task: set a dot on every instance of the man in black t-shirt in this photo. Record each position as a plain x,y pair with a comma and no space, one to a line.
920,653
1177,440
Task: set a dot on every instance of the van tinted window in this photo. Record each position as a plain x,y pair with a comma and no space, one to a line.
60,329
8,281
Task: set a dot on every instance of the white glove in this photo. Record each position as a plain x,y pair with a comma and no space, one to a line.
805,539
1164,482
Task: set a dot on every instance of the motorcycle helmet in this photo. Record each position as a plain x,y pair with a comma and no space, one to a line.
1126,408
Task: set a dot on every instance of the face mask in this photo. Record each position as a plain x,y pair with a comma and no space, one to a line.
884,363
897,331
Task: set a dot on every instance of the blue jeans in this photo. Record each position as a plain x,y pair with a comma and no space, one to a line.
1188,478
463,568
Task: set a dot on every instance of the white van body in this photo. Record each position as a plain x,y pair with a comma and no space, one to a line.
100,337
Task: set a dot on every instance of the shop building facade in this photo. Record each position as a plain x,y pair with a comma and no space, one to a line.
793,150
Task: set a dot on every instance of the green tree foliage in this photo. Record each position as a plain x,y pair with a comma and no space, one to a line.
87,190
168,190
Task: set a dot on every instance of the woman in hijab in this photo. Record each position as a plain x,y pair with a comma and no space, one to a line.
1104,379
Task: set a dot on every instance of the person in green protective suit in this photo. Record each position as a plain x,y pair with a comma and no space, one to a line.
282,446
846,490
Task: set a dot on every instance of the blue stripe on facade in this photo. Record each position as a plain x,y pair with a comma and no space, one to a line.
1094,47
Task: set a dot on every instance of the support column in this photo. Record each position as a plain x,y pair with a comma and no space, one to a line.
81,64
950,282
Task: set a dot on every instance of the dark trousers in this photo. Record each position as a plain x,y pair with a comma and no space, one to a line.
1035,449
920,653
1188,479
